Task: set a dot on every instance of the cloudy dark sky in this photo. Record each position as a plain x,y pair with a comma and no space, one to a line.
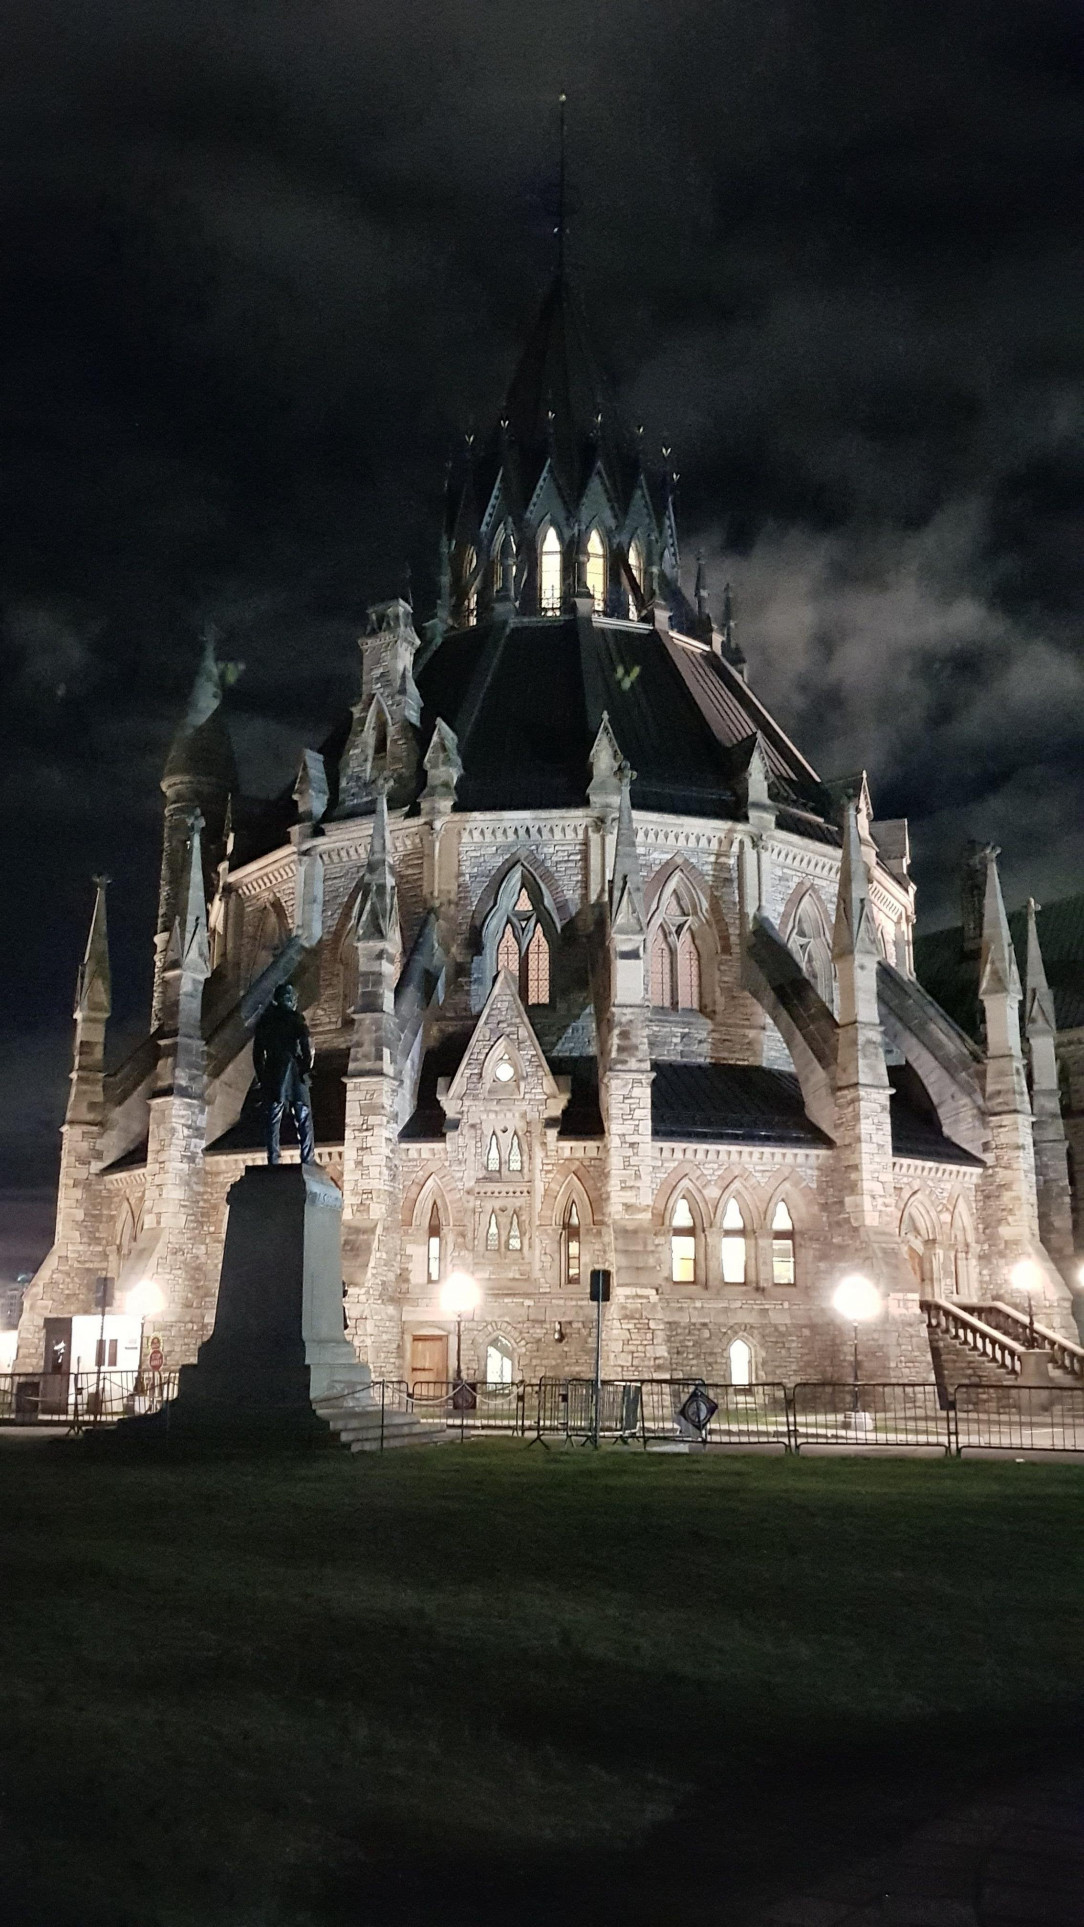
263,263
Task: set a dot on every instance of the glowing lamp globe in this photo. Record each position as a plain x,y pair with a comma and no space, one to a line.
145,1300
1027,1277
857,1299
460,1294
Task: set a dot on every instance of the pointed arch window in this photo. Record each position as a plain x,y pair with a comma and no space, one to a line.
740,1360
688,971
549,572
432,1248
596,569
783,1272
682,1244
570,1245
636,562
735,1244
524,950
470,586
504,549
493,1233
961,1257
493,1154
810,943
515,1235
499,1361
515,1154
675,957
662,971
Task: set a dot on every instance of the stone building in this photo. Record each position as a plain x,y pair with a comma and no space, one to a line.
599,970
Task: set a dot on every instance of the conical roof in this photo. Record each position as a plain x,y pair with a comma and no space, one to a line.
201,751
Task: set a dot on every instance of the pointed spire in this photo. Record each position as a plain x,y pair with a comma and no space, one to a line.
854,934
701,591
1039,1015
201,746
310,789
93,996
998,974
604,789
443,765
378,906
627,911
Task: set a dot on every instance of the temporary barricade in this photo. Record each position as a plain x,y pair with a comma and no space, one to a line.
1024,1418
79,1399
470,1405
871,1415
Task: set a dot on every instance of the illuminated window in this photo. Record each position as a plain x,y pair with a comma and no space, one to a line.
498,1362
433,1247
662,971
470,586
683,1244
549,573
570,1241
596,569
515,1236
515,1153
493,1233
688,971
735,1245
636,563
493,1153
508,951
782,1245
741,1362
504,1072
538,969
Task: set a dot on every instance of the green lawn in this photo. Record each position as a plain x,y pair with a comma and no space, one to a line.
490,1684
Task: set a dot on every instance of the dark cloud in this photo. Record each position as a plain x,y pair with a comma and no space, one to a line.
260,265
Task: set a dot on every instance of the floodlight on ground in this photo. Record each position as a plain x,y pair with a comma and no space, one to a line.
145,1300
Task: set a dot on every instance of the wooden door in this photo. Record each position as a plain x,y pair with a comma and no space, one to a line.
429,1358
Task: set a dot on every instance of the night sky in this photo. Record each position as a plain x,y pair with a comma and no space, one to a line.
264,264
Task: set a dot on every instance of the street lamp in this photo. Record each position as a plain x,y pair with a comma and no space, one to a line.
459,1294
1026,1277
857,1300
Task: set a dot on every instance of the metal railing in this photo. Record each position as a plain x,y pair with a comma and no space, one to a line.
79,1399
469,1405
870,1415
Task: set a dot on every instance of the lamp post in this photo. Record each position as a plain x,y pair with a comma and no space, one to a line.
1026,1278
459,1294
857,1300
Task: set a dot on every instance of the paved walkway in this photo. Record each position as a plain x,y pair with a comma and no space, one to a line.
1012,1861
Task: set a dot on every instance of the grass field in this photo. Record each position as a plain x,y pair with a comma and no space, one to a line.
489,1684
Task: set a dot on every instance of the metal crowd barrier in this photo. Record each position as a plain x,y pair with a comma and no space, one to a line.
1025,1418
469,1405
79,1399
869,1415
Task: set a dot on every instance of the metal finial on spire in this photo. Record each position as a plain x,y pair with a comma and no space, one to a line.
562,100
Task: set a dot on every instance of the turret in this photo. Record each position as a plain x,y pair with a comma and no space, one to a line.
383,745
999,992
200,774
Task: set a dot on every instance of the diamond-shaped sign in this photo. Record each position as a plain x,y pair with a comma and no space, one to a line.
698,1409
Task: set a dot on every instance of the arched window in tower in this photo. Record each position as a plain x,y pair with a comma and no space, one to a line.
735,1244
675,955
688,971
499,1362
662,970
810,943
636,562
493,1233
524,950
683,1244
596,569
493,1155
515,1235
549,573
782,1246
515,1154
432,1262
740,1359
470,586
570,1245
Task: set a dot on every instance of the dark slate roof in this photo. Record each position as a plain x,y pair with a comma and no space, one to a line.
916,1128
526,698
953,979
730,1104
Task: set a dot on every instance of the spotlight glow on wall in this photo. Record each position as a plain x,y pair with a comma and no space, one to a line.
857,1299
145,1300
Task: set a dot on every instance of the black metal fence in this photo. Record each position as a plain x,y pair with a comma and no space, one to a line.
679,1413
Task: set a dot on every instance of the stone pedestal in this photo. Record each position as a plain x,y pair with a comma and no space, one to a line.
1035,1368
277,1349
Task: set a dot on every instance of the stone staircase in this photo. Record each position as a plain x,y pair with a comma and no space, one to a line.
993,1344
358,1420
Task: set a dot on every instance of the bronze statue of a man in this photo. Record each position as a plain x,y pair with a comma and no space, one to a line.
282,1059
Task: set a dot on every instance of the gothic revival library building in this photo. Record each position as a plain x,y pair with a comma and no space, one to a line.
599,971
